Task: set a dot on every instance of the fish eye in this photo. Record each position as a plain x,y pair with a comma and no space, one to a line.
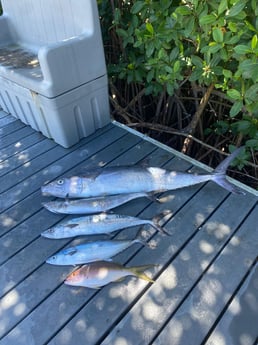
60,182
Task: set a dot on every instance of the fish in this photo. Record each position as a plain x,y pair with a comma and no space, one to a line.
92,205
97,224
97,274
91,251
135,179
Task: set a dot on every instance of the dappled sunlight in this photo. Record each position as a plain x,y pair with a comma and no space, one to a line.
219,230
206,247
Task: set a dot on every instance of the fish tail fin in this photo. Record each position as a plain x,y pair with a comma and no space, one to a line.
221,180
138,272
219,174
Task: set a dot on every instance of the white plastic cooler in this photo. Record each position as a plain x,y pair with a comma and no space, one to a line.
52,67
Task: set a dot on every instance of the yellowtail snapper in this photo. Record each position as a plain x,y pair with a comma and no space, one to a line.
100,273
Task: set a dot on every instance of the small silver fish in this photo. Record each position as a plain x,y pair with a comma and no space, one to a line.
100,273
96,224
135,179
92,205
91,251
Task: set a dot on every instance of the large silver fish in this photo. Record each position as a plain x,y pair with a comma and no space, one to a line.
100,273
92,205
135,179
91,251
96,224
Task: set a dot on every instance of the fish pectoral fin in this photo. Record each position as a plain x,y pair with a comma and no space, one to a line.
119,280
71,226
71,252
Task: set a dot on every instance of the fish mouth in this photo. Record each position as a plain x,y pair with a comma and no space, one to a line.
46,205
46,234
44,191
49,261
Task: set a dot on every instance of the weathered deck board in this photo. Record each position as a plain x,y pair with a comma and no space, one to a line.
240,319
202,269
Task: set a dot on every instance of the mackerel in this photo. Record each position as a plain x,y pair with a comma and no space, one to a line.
96,224
92,205
135,179
91,251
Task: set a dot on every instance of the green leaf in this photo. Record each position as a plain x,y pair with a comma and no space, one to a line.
222,6
176,66
183,10
196,74
217,35
252,143
251,94
214,47
236,9
242,49
254,42
234,94
249,70
137,6
197,61
122,33
150,75
174,54
243,126
208,19
149,28
232,26
227,73
236,108
170,89
168,69
150,49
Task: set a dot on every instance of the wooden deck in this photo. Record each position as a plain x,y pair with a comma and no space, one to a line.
206,281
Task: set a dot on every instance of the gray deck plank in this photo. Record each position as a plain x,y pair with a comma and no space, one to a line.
11,127
194,225
198,313
20,146
12,139
239,324
23,161
210,228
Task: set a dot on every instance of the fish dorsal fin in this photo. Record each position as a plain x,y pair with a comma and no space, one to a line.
222,167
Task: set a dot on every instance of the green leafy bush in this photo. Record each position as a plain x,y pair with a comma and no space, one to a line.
164,44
